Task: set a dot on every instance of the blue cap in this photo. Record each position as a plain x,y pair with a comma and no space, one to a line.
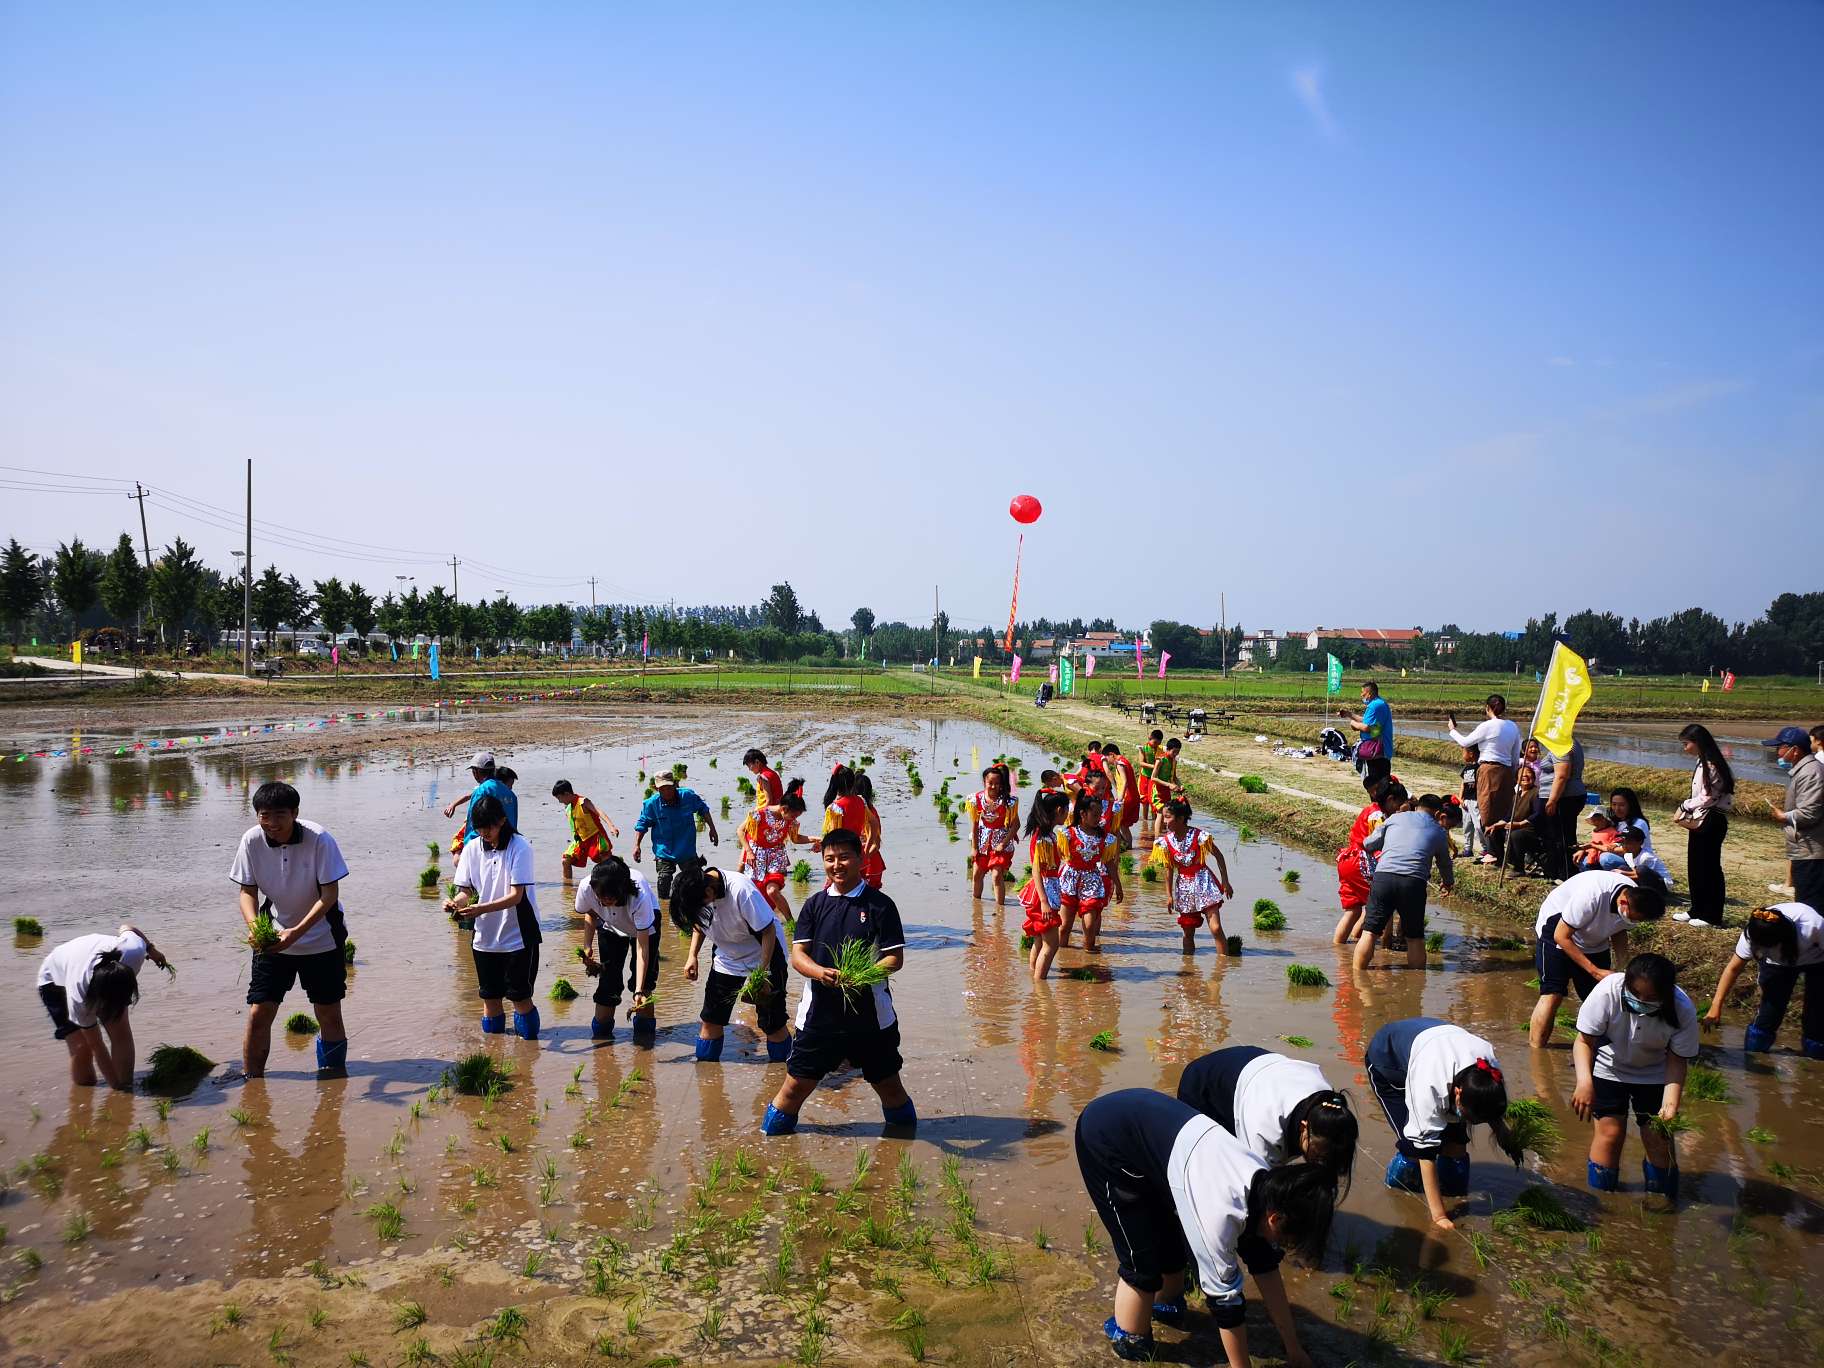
1790,736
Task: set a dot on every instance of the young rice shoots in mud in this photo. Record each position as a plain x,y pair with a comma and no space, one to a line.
476,1073
858,968
1533,1126
27,926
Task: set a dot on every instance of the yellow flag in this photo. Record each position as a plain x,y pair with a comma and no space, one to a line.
978,667
76,653
1566,690
1706,683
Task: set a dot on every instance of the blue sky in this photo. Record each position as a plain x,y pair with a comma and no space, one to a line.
1366,315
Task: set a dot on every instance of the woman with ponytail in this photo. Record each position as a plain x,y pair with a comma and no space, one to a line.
1281,1108
766,833
89,984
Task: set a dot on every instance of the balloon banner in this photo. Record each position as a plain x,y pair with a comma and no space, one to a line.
1013,608
1067,677
1164,656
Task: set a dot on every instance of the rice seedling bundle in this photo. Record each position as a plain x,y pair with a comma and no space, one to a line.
1252,783
563,991
1532,1125
300,1023
27,926
858,969
757,987
428,876
176,1068
1306,976
265,933
1267,916
478,1072
801,872
1103,1041
1541,1209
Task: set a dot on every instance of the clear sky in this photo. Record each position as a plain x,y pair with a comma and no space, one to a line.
1375,315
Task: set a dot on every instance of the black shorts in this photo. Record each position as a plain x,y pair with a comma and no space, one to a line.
1208,1083
619,960
874,1050
1558,973
324,976
1618,1099
57,1003
722,991
1396,893
665,870
505,973
1393,1104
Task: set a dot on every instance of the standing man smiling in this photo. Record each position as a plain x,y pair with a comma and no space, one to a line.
293,870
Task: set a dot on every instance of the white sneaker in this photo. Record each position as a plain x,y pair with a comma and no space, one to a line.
1681,916
1696,921
1786,890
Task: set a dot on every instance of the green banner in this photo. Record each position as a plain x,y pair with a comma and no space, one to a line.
1333,681
1067,677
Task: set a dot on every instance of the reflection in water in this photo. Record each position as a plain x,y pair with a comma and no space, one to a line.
292,1194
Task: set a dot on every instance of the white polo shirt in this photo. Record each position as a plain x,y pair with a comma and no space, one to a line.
1811,937
639,914
72,964
736,920
1586,902
1631,1047
290,877
494,874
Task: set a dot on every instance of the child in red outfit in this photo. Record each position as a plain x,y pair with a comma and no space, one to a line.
994,824
1041,895
1085,880
1196,894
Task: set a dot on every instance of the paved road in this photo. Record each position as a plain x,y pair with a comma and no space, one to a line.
123,671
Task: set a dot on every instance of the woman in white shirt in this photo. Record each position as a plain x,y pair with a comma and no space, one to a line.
1636,1037
1788,941
1705,816
620,923
90,983
494,878
731,913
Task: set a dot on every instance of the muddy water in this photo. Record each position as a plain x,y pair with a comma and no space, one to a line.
999,1069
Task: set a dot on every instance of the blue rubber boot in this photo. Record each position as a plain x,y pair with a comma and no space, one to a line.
494,1025
332,1055
525,1024
778,1051
777,1122
1604,1179
1453,1176
1661,1180
709,1051
1814,1049
1169,1313
645,1028
1757,1040
1128,1346
905,1114
1404,1173
601,1030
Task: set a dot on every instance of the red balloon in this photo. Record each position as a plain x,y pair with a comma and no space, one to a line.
1025,508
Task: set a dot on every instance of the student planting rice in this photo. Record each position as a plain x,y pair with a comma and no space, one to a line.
994,824
873,863
766,833
767,788
1150,751
1040,896
88,986
1172,1188
589,830
1195,894
1582,924
290,871
1434,1081
489,782
1636,1037
1125,785
731,913
845,809
1165,786
1409,843
1788,941
848,940
1083,882
620,922
1354,866
1279,1108
494,879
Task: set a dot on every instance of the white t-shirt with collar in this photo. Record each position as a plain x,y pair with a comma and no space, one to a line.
494,874
639,914
1810,925
290,877
1586,902
1632,1047
71,965
736,920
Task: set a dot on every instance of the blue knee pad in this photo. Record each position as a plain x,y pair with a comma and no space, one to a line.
494,1025
709,1051
601,1030
1814,1049
1403,1172
1664,1180
1604,1179
1757,1040
1453,1175
778,1051
777,1122
905,1114
525,1024
332,1054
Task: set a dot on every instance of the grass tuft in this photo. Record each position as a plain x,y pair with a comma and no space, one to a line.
1306,976
477,1073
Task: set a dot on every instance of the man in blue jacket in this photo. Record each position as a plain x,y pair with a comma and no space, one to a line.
671,816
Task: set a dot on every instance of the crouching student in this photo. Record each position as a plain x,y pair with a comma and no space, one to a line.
839,1019
1788,940
88,985
1409,843
1172,1186
1434,1081
620,921
1280,1108
1636,1037
1582,925
732,915
494,878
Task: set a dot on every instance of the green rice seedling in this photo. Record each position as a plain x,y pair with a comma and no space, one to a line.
435,850
170,1162
533,1265
1706,1084
1480,1248
1083,973
1533,983
407,1185
580,1140
726,805
264,934
175,1068
78,1228
300,1023
409,1315
563,991
1103,1041
1555,1324
389,1221
1092,1239
1234,946
317,1317
110,1158
509,1323
357,1359
476,1073
1127,862
757,986
231,1314
1533,1125
429,876
1428,1301
506,1144
1544,1211
1306,976
1784,1172
1521,1288
1434,941
801,872
1290,878
1453,1344
395,1146
1041,1240
709,1329
1252,783
29,1259
240,1116
140,1138
1760,1135
1677,1126
27,926
1267,916
858,968
200,1141
1507,944
1298,1041
1149,873
1244,832
418,1353
679,771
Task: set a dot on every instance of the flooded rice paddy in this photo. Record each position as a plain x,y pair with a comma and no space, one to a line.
264,1179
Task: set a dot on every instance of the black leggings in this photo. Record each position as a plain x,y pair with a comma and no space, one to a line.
1704,867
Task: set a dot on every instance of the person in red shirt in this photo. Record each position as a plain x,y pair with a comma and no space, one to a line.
1126,784
766,779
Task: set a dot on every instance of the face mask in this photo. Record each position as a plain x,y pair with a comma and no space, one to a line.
1784,763
1636,1006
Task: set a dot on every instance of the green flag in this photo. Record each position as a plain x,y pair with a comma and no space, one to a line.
1333,681
1067,677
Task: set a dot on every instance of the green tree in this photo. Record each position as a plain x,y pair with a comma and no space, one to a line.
76,572
271,602
22,584
440,612
597,626
390,618
361,616
332,606
505,616
123,584
783,609
177,584
412,618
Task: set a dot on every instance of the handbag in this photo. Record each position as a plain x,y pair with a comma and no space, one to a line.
1369,749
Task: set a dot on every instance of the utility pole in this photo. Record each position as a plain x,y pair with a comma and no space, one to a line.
592,595
246,584
1223,599
936,648
145,542
455,590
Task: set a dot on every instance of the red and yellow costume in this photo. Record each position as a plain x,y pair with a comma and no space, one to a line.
1046,860
766,832
873,863
851,814
1081,882
588,837
998,825
1127,788
1194,888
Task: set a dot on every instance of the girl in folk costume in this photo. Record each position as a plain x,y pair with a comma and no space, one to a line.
873,865
1166,787
766,833
1085,879
1041,895
1126,790
844,807
994,825
1196,894
1354,869
1150,752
